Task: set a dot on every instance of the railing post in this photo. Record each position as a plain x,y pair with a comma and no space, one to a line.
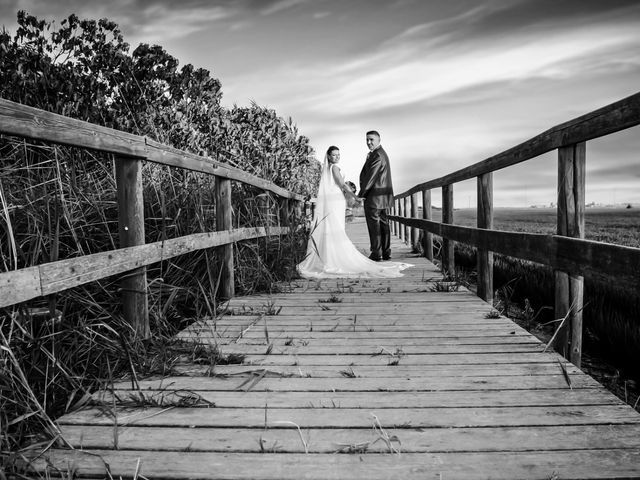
131,230
225,252
427,237
284,212
393,223
400,225
485,220
414,214
405,201
569,288
448,263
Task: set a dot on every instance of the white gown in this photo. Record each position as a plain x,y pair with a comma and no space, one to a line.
330,252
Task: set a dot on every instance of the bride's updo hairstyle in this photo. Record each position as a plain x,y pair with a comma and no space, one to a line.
329,150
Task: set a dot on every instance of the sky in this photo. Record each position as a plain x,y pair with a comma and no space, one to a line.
447,83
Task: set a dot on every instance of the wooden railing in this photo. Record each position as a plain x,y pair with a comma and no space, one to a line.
567,252
134,255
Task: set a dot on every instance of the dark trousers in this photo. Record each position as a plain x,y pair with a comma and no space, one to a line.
379,234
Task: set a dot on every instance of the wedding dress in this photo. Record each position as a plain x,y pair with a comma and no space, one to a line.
330,252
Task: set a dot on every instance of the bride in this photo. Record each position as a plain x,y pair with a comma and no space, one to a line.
330,253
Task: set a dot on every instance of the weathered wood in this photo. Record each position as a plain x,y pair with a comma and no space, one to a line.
19,286
401,212
427,237
601,261
131,230
485,221
64,274
448,246
214,439
565,464
165,155
420,399
361,418
406,235
322,380
612,118
570,221
414,214
394,225
224,253
29,122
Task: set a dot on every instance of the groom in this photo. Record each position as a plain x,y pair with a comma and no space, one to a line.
377,191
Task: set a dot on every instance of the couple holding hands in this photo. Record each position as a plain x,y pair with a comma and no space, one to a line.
330,253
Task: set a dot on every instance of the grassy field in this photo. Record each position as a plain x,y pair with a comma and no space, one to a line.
603,224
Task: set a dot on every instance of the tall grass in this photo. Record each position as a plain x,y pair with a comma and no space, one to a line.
59,202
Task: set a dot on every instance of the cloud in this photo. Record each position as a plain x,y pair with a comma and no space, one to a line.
282,5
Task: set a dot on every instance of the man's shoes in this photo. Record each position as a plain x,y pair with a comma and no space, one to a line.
375,258
387,257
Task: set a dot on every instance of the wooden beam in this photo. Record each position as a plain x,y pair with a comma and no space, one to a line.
225,252
19,286
448,261
165,155
427,237
131,229
612,118
485,220
29,122
34,282
569,287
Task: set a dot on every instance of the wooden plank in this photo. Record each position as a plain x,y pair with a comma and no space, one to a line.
376,371
414,440
612,118
131,231
567,465
167,395
64,274
426,359
29,122
19,286
358,384
601,261
377,349
361,418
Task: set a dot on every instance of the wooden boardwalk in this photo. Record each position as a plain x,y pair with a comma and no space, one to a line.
370,379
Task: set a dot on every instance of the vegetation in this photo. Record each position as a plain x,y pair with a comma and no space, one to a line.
59,202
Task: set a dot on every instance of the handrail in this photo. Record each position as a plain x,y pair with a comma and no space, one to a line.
612,118
567,252
29,122
134,255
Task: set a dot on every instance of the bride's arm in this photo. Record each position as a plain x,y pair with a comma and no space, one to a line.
335,170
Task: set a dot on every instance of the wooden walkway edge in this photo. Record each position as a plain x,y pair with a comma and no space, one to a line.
358,379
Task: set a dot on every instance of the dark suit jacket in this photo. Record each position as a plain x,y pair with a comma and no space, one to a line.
375,180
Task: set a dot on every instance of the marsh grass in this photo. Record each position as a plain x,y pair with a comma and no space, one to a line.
60,202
